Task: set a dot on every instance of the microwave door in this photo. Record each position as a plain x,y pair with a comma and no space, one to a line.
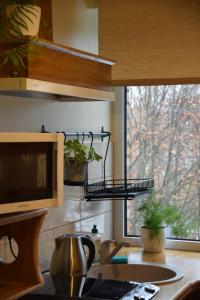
25,171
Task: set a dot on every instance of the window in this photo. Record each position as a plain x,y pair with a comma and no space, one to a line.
163,142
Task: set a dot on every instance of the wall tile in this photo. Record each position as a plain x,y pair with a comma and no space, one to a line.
65,214
96,169
91,208
5,252
2,252
8,254
75,193
47,242
103,222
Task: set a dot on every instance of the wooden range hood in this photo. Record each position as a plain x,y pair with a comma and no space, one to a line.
60,73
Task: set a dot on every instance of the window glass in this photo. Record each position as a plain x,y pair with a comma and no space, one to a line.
163,142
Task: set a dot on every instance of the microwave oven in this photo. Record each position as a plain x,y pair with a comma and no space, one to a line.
31,171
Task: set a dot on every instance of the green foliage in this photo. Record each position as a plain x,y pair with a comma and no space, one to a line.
79,153
153,214
16,21
16,56
156,215
182,226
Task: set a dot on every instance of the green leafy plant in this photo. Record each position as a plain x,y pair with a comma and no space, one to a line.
157,215
16,22
79,153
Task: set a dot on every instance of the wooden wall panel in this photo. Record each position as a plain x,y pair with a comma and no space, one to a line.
46,27
152,41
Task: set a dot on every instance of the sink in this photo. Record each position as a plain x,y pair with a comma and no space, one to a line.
140,272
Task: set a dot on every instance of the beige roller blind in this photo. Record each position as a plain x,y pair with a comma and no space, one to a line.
152,41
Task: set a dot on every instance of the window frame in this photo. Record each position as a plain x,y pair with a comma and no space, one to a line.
120,221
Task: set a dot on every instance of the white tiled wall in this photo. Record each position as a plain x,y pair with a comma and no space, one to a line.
75,216
47,237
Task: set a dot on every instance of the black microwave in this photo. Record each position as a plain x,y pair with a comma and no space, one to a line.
31,171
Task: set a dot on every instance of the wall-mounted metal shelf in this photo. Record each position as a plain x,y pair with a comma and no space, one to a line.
81,134
118,189
107,189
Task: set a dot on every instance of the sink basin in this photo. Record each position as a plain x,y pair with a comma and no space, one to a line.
141,272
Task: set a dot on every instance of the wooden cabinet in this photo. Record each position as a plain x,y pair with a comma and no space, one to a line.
59,71
23,274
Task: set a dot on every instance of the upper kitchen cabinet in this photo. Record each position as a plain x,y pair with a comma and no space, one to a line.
153,41
60,69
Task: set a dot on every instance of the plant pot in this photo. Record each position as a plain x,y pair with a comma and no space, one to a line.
75,174
155,243
31,18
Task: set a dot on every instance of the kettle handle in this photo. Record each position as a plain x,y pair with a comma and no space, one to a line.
89,243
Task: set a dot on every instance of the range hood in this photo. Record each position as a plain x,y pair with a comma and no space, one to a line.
60,73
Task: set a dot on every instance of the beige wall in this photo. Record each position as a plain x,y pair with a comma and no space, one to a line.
76,26
75,23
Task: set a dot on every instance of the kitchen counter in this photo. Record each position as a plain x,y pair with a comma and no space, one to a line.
186,261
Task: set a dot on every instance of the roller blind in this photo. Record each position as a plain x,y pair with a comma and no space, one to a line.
152,41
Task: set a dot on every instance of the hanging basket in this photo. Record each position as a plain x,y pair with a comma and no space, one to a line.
75,174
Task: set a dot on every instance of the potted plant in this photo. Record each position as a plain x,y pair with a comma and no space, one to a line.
76,158
22,18
156,216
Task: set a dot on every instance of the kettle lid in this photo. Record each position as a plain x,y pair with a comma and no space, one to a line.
67,236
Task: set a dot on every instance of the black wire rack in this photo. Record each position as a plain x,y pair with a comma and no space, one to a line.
118,189
107,189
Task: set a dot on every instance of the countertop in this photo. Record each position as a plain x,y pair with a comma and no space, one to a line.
186,261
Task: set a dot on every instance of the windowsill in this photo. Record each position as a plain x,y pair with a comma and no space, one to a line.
182,245
136,254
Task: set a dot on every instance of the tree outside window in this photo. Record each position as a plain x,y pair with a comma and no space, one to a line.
163,142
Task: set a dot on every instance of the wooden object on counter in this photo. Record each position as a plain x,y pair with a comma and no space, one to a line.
189,292
23,274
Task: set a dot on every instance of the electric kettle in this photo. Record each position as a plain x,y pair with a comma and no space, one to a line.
69,264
